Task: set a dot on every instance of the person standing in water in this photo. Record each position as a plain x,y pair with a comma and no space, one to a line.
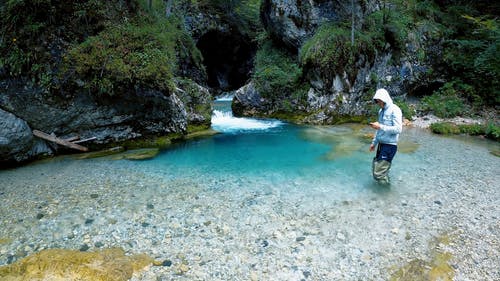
388,126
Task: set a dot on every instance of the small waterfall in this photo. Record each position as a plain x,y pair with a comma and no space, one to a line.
224,121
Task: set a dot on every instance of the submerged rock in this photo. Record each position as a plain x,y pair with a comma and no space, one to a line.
138,154
407,146
63,264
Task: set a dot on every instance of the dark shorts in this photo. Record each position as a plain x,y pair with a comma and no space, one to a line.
386,152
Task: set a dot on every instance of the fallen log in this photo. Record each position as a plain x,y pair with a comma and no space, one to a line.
84,140
72,139
57,140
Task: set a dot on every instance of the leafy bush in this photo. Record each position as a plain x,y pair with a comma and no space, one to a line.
444,128
331,49
102,46
449,100
490,130
471,51
472,129
387,26
124,56
35,33
443,106
276,74
407,110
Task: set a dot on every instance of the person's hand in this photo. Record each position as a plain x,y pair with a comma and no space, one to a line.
375,125
372,147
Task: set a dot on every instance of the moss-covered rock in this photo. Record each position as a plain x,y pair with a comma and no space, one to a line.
61,264
437,268
137,154
100,153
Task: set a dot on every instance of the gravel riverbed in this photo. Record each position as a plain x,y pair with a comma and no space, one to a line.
441,214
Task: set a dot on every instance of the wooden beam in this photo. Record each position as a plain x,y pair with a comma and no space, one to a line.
72,139
48,137
84,140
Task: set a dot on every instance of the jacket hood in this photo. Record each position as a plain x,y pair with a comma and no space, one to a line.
383,95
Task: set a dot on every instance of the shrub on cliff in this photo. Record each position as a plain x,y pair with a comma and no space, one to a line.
331,50
277,76
104,47
122,57
36,33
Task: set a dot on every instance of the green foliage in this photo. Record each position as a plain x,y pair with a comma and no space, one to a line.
449,100
443,106
444,128
102,46
331,50
122,57
407,110
417,11
387,26
471,51
244,14
472,129
248,13
276,74
490,130
34,33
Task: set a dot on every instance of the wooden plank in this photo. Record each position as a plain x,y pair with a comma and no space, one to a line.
72,139
48,137
84,140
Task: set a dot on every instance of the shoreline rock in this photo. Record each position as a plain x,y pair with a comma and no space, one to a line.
425,121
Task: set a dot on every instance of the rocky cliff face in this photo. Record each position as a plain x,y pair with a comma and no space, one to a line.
139,113
294,21
135,112
337,95
224,40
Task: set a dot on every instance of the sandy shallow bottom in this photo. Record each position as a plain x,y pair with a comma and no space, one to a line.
443,202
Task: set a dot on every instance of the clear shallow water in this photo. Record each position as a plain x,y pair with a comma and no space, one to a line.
270,149
273,199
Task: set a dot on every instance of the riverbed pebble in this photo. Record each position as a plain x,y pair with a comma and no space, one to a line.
204,227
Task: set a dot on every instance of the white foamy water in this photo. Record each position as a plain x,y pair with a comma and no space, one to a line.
227,97
226,122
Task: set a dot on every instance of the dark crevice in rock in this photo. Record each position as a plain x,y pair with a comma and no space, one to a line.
228,58
422,90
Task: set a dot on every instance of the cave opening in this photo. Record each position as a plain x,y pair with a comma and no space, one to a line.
228,58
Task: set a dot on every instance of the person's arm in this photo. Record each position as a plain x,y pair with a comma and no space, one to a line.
374,142
397,122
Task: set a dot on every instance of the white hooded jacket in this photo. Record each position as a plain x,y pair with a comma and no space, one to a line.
390,119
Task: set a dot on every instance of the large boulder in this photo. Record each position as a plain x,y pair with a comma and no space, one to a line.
291,22
16,138
140,112
247,101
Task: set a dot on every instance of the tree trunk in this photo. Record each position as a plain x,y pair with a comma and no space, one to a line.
168,7
352,23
